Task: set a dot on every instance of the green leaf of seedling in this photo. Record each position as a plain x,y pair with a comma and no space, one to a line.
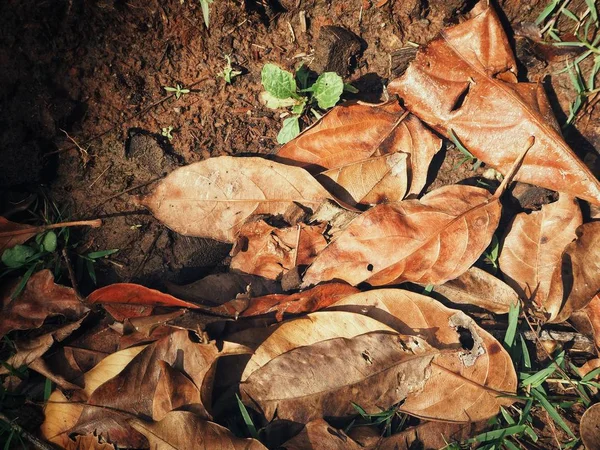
359,409
247,418
289,130
497,434
328,89
541,398
547,11
302,74
102,253
272,102
205,5
299,107
349,88
278,82
17,256
513,321
47,389
49,242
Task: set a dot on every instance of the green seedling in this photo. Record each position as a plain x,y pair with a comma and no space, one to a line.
247,419
284,89
467,155
92,258
392,420
492,253
166,132
178,90
228,73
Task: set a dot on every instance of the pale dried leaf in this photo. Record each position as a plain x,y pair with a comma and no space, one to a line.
319,434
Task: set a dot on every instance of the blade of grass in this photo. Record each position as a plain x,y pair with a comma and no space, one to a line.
552,411
247,418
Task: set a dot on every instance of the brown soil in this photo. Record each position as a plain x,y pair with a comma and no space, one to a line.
96,71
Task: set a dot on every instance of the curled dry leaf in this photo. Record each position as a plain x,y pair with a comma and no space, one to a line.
40,299
355,132
576,281
221,287
375,370
9,240
592,311
589,427
534,245
381,179
479,288
215,197
134,390
269,252
427,241
319,434
470,371
465,81
179,429
127,300
307,301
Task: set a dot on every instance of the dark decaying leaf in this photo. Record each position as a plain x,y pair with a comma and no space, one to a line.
465,81
215,197
181,430
26,232
40,299
427,241
269,252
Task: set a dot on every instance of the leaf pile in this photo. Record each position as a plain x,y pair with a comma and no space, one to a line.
311,323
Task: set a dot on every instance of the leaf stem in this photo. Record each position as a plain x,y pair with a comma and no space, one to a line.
35,230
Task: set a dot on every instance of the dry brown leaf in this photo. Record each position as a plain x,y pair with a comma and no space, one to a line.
533,247
427,241
215,197
589,428
269,252
308,330
355,132
26,232
133,390
174,390
576,281
181,430
465,384
592,311
88,442
222,287
61,415
479,288
318,434
465,80
381,179
375,370
40,299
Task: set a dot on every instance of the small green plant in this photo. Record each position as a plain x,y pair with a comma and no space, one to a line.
228,73
284,89
166,132
92,258
178,90
205,5
492,253
586,36
392,420
246,417
467,155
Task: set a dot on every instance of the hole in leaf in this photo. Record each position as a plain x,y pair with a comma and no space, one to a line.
465,338
460,100
370,267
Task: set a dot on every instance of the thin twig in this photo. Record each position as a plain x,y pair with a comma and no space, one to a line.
35,230
118,194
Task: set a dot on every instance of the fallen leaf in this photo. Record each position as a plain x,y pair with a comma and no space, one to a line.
381,179
319,434
376,370
9,240
173,390
180,428
307,301
222,287
303,331
269,252
588,366
215,197
592,311
88,442
533,247
355,132
127,300
136,386
465,81
576,281
40,299
469,374
479,288
426,241
589,427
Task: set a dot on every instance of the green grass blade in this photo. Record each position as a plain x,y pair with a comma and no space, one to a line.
552,411
47,389
247,418
591,4
526,358
546,12
497,434
513,321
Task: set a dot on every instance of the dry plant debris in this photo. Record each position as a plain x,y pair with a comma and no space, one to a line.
171,366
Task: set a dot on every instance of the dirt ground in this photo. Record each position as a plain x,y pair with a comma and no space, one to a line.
82,102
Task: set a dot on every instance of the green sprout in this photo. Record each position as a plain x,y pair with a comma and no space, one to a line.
178,90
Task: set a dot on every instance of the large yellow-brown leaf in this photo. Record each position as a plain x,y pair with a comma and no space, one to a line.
213,198
355,132
318,434
534,245
308,330
263,250
479,288
428,241
181,430
465,80
375,370
381,179
468,376
576,281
